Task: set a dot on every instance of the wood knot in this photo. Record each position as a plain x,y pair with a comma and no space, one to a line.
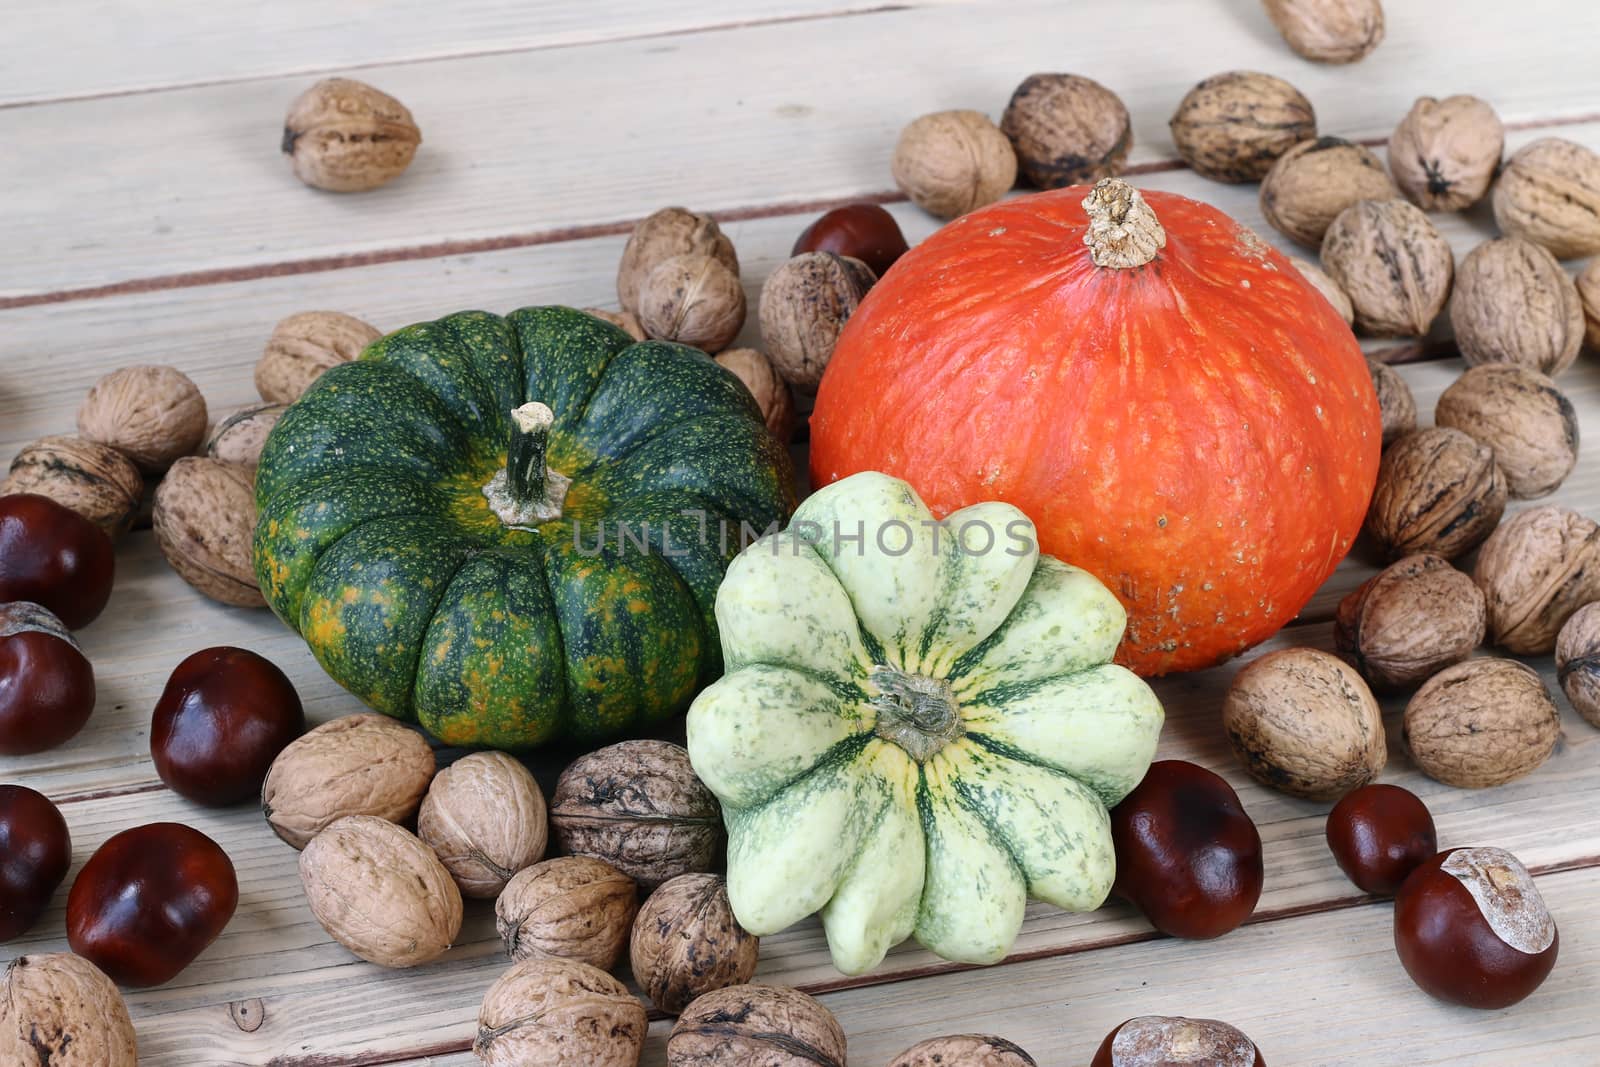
248,1015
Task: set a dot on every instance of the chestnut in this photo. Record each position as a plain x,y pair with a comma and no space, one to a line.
1379,834
53,556
1171,1041
862,231
223,718
149,901
1471,928
46,682
1187,854
35,852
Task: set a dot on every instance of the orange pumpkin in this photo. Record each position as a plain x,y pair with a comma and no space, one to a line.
1168,399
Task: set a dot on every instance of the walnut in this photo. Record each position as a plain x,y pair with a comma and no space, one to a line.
638,806
964,1050
559,1013
1395,403
693,299
625,320
1329,31
357,765
345,136
672,231
152,415
1067,130
1578,661
302,346
205,519
953,162
804,306
485,818
571,907
1232,127
1410,621
1521,415
1535,571
95,480
772,393
742,1025
1549,193
1315,180
686,942
1514,304
239,436
1589,295
1481,723
60,1010
1322,283
1303,721
1444,152
1438,491
1394,264
380,892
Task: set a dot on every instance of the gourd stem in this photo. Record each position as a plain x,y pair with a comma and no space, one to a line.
525,468
1123,231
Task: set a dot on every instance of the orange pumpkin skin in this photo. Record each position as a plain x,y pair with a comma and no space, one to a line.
1200,432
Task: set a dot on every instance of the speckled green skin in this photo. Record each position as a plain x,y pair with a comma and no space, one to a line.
377,544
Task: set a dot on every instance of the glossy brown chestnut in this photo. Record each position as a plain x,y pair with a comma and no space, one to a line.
1172,1041
223,718
1187,854
35,852
46,682
53,556
149,901
1379,834
1472,928
862,231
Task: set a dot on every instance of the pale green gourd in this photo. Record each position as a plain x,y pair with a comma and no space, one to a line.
915,742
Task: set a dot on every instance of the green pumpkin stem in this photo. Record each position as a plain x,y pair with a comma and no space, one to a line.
525,466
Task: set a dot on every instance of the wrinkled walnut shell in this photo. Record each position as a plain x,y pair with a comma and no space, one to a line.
1067,130
639,806
1537,569
345,136
1438,491
627,321
205,519
692,299
804,306
95,480
60,1010
1314,181
1396,405
1481,723
1589,295
1578,661
672,231
1324,284
485,819
358,765
559,1013
1303,722
964,1050
1232,127
1410,621
239,436
1329,31
953,162
686,942
1523,417
571,908
1444,152
150,414
772,393
380,892
746,1025
1549,193
304,345
1514,304
1394,264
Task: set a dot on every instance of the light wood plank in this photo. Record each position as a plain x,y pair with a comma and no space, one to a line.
190,180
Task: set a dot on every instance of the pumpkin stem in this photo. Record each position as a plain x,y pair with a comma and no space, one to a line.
528,492
1123,231
916,712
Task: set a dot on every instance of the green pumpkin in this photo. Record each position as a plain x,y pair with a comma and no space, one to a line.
512,529
920,727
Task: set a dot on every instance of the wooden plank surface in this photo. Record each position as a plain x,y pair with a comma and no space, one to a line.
779,117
